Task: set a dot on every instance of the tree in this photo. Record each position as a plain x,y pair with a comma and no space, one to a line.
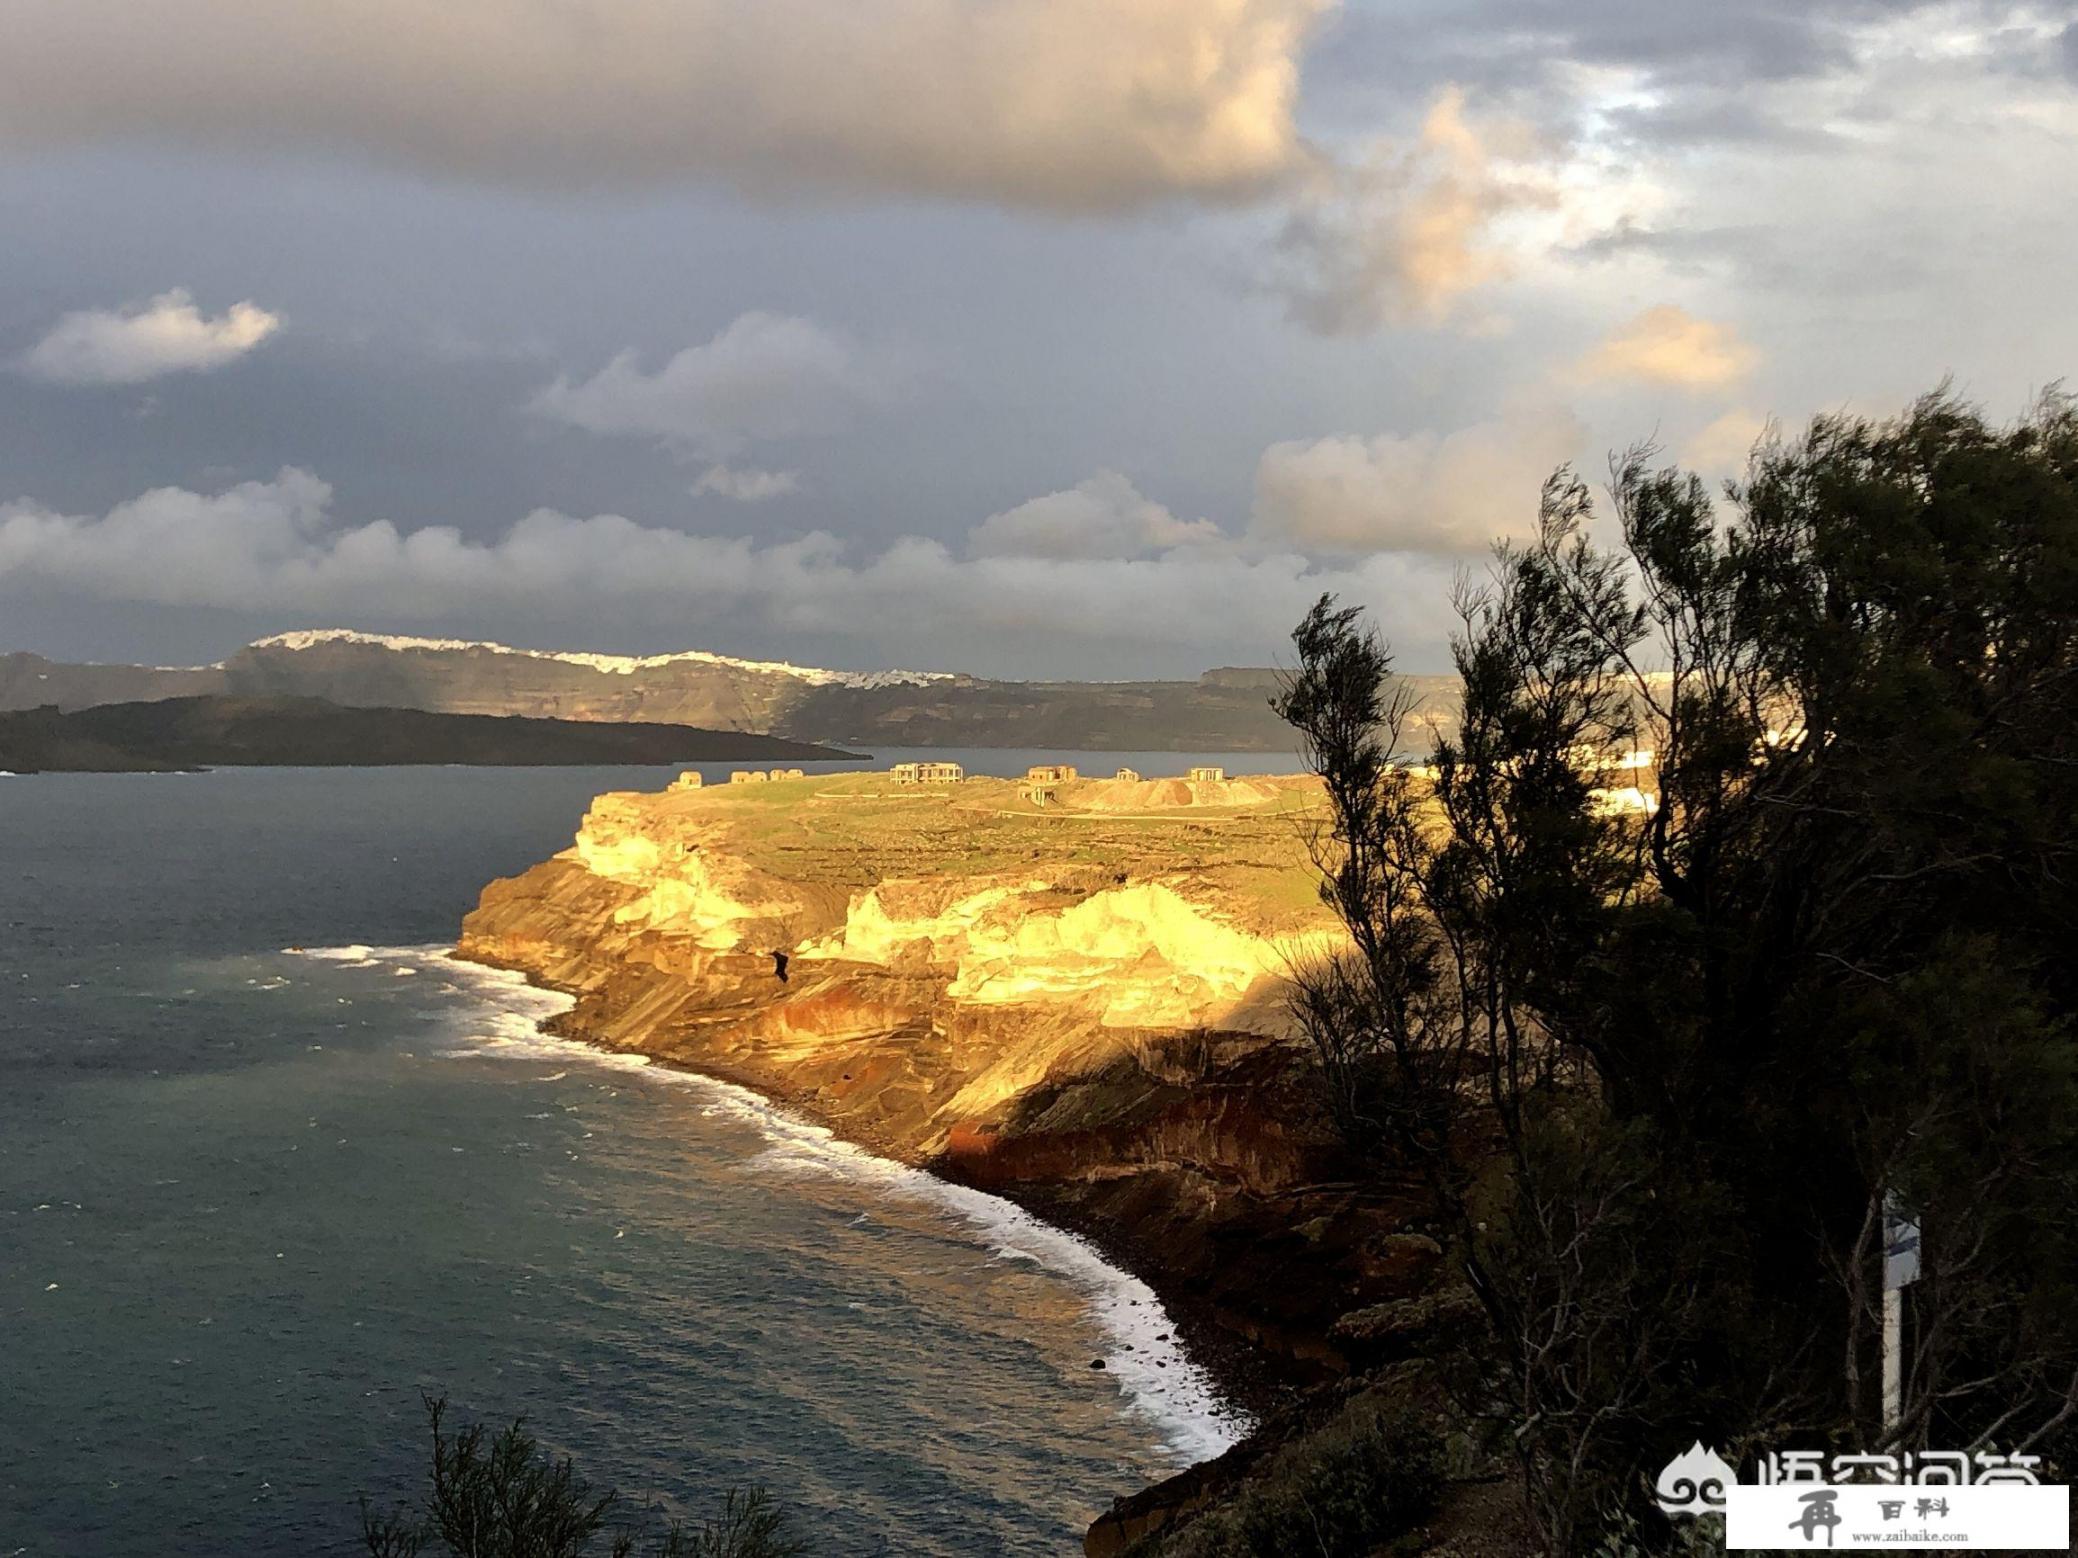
502,1496
1664,1038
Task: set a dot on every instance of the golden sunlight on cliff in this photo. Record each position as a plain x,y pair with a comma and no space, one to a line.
1068,991
1205,902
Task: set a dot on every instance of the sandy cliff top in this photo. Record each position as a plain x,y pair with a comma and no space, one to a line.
1240,843
1157,903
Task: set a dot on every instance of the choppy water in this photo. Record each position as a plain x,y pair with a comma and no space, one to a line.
252,1200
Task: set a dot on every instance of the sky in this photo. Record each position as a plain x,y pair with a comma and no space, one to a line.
1030,338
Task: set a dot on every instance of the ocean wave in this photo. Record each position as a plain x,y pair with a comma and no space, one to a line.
361,955
1153,1373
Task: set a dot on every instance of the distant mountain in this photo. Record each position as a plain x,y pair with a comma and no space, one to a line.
219,731
30,681
1223,710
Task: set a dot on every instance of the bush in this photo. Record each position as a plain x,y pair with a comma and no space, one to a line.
1336,1494
502,1496
1624,1536
750,1525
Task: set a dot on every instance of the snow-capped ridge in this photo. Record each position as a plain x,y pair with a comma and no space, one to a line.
611,665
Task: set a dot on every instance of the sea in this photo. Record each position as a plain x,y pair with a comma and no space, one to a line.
273,1168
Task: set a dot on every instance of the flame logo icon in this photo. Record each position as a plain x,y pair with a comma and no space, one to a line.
1694,1482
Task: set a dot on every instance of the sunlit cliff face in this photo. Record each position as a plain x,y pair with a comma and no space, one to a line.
715,900
1162,942
1143,955
1077,998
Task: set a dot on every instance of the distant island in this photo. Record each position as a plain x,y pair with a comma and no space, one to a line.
1223,710
169,735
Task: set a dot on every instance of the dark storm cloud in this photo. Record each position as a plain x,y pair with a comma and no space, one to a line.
1711,118
1063,105
1708,54
1176,372
1506,42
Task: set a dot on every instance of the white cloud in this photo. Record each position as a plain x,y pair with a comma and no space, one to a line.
274,542
1452,494
146,341
1061,104
763,377
1404,233
1105,516
170,545
747,484
1668,345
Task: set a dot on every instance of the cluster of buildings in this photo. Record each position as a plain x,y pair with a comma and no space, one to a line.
926,773
692,780
1040,782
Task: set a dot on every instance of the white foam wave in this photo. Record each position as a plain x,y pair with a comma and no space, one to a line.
360,954
1155,1376
1153,1372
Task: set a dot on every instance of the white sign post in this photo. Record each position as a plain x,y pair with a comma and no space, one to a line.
1900,1269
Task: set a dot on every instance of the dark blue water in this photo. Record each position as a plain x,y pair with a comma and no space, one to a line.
253,1201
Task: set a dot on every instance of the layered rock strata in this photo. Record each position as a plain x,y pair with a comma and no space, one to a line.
1078,1004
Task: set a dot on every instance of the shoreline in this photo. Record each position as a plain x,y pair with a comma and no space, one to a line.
1242,1384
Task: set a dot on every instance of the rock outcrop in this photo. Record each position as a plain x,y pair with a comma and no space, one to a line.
1077,1005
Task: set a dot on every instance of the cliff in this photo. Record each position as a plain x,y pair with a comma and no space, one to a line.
203,732
1077,1005
30,682
1222,711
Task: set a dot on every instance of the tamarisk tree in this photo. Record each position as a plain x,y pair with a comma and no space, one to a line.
1737,904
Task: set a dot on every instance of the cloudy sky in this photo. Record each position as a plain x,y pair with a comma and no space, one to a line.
1026,337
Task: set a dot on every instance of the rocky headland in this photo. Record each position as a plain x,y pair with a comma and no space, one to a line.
211,731
1074,1001
1221,711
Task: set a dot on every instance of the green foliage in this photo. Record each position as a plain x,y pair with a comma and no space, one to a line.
749,1525
502,1496
1625,1536
1663,1070
1337,1494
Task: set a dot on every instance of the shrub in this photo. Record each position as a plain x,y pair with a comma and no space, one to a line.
1336,1494
503,1496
